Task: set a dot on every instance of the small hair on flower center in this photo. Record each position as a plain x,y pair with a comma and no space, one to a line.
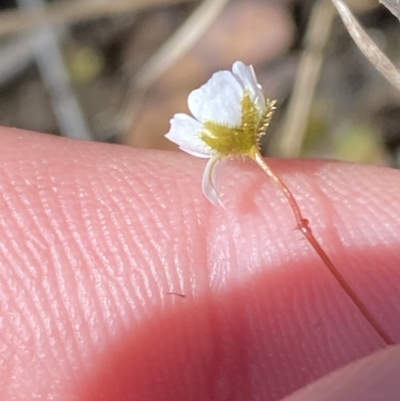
242,140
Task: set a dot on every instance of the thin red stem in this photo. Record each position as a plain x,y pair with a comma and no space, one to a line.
303,226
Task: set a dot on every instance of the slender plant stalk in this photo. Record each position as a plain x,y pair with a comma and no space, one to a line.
303,226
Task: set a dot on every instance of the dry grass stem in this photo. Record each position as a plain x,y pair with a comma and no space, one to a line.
67,12
293,128
46,49
172,50
393,6
367,46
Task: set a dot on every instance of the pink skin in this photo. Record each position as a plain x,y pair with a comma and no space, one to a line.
94,236
374,378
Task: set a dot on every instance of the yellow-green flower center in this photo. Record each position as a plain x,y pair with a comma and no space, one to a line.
241,140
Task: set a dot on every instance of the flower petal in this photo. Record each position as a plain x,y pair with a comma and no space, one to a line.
185,131
210,178
246,76
218,101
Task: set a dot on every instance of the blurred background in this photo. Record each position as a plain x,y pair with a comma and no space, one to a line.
116,71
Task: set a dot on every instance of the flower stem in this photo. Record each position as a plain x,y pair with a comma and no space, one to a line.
303,226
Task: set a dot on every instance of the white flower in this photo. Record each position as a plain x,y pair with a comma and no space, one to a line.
230,116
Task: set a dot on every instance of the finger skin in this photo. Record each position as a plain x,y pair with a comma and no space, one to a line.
374,378
94,237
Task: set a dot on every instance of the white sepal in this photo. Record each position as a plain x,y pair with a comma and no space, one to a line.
210,179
